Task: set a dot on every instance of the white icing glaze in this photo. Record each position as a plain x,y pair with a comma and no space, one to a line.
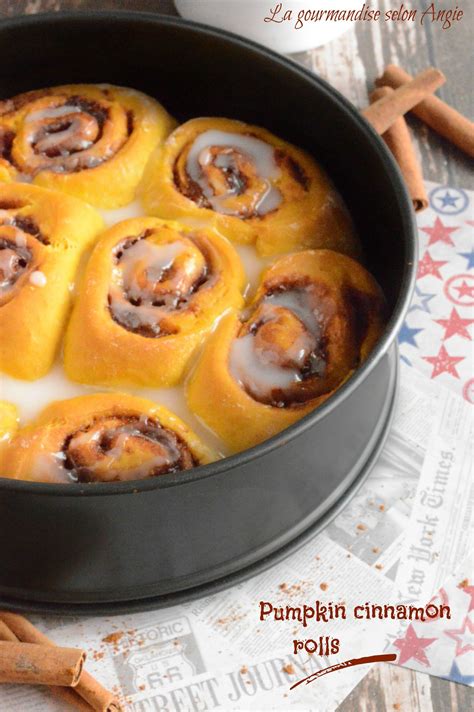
52,140
54,112
38,279
122,435
8,262
297,301
76,162
155,259
132,210
20,239
256,368
32,396
10,267
253,266
249,369
49,467
260,153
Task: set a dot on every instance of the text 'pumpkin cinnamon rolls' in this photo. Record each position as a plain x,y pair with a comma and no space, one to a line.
151,292
43,234
92,141
254,187
315,317
102,438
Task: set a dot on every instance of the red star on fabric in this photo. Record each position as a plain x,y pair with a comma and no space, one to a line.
444,363
439,233
461,636
465,290
470,592
455,325
413,647
429,266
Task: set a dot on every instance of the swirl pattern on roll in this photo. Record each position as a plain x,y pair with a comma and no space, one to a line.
43,235
254,187
77,138
314,319
103,438
20,252
151,292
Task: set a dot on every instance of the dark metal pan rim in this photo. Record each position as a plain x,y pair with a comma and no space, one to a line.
254,562
137,487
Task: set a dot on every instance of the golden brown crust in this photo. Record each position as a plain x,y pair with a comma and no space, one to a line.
43,235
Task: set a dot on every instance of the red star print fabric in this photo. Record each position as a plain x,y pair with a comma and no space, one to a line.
441,646
437,336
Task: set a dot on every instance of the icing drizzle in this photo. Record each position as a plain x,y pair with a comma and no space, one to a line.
232,173
281,346
151,281
114,448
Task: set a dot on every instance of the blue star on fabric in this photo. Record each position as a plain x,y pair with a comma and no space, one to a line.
448,199
420,301
469,256
407,335
456,676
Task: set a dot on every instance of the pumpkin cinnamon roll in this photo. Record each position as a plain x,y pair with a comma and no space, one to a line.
252,186
42,237
151,292
92,141
315,317
8,421
102,438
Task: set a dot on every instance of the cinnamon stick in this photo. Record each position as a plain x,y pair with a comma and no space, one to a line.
398,140
66,694
88,688
30,663
385,111
441,117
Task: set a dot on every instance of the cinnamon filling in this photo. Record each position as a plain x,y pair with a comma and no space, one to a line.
15,263
6,143
19,255
230,173
120,447
58,133
67,135
153,280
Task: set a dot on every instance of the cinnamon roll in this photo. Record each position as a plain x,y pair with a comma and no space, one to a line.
106,437
252,186
151,292
42,237
92,141
8,421
314,319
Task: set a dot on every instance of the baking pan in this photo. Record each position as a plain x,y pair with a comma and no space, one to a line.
124,546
